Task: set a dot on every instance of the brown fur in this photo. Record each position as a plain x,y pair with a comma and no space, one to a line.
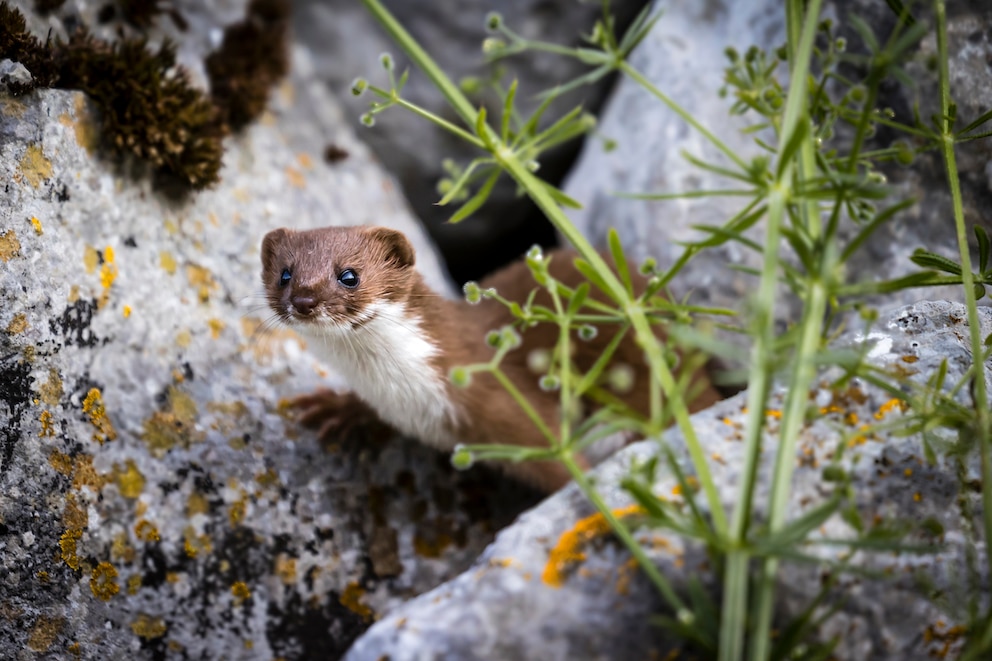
384,261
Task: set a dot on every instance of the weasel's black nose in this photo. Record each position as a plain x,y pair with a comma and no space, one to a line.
304,304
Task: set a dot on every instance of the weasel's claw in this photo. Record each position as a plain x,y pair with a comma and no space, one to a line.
338,416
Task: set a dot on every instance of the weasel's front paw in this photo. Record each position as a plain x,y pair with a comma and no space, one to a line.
338,416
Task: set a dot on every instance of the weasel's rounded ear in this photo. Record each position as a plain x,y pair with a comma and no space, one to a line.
270,244
395,246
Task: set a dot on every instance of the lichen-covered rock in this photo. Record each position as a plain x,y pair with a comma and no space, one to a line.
156,500
554,585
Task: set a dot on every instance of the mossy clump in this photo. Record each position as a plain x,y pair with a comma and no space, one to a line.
252,58
148,106
19,45
48,6
142,14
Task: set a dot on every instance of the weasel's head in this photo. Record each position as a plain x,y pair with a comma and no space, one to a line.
333,278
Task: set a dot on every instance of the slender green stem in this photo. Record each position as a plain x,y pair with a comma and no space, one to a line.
440,121
624,534
980,396
683,113
526,406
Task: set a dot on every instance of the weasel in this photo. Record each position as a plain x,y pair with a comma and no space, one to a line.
354,294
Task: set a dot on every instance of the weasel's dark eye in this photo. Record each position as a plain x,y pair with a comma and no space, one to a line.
348,278
286,276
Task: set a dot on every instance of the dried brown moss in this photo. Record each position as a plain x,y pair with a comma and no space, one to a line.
148,108
252,58
48,6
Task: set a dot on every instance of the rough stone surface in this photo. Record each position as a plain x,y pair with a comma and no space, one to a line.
155,499
505,606
651,141
346,44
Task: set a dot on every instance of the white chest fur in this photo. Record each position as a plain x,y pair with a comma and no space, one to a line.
387,362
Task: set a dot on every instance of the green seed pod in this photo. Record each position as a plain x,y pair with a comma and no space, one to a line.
460,377
461,458
549,383
358,86
473,293
494,21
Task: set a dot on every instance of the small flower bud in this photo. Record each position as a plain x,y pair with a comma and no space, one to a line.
731,54
493,46
461,458
535,253
511,338
494,21
358,86
473,293
532,165
840,44
386,61
648,266
493,338
549,383
539,361
470,85
620,378
460,377
368,119
588,333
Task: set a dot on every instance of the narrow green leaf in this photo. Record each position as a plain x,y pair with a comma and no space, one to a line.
930,260
984,247
620,260
508,111
791,148
476,200
482,129
579,295
460,183
593,276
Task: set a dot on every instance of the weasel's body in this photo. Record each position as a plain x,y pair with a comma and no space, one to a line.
354,294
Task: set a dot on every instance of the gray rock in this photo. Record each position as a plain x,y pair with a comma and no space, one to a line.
155,499
346,44
14,72
508,607
690,69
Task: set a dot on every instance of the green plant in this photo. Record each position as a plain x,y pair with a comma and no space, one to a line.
811,188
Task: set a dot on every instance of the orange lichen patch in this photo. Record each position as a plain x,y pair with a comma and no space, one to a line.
51,390
241,592
9,245
94,408
62,463
909,359
134,584
351,599
216,327
74,516
947,639
295,177
43,576
121,549
431,545
625,574
18,324
861,437
67,543
103,581
108,273
908,472
75,649
851,418
167,262
164,430
202,280
85,475
34,167
285,569
47,421
86,131
917,497
503,562
146,531
126,311
773,413
36,224
888,406
717,457
148,627
44,632
568,551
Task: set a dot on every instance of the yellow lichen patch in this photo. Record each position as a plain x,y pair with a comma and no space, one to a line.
888,406
75,649
295,178
202,280
67,543
146,531
216,327
91,259
183,339
9,245
304,160
51,390
44,632
47,421
917,497
286,568
236,513
87,133
108,273
94,408
241,592
568,551
12,107
167,262
165,430
197,503
351,599
62,463
194,544
126,311
36,224
270,478
148,627
85,475
625,574
18,324
35,168
120,549
103,581
73,294
129,479
134,584
74,516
